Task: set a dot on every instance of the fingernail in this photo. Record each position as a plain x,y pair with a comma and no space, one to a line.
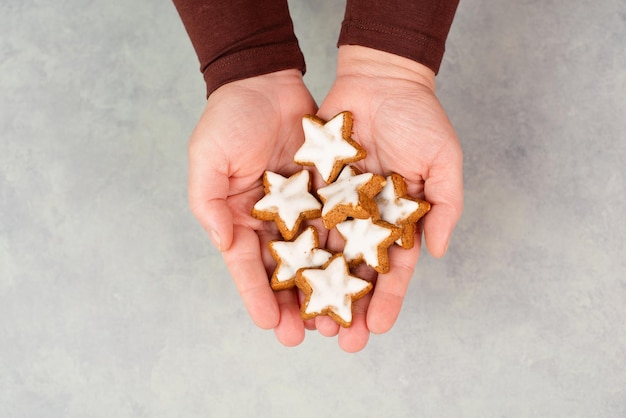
215,237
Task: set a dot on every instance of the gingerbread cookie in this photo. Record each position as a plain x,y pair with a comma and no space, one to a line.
398,208
303,252
370,212
368,241
350,196
331,290
328,145
287,202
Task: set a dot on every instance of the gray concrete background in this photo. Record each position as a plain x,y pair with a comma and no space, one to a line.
114,304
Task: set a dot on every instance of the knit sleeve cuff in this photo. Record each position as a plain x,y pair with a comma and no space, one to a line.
412,29
253,62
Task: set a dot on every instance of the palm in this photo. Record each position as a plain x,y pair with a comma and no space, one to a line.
391,120
249,138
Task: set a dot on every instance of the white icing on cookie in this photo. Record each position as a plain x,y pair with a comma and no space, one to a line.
301,253
288,197
396,207
325,145
333,289
393,208
344,191
363,240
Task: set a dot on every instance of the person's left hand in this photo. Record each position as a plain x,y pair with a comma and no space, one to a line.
401,124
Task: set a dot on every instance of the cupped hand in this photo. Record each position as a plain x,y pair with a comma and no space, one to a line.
247,127
404,129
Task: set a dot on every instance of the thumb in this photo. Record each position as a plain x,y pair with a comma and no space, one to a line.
208,190
444,190
216,219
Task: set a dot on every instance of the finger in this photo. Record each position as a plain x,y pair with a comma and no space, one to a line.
326,326
439,225
266,256
308,323
290,328
246,267
208,189
334,241
444,190
391,288
355,337
322,232
217,220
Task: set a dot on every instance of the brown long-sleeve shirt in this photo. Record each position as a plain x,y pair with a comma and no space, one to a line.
237,39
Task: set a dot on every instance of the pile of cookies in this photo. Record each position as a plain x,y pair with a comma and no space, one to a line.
370,212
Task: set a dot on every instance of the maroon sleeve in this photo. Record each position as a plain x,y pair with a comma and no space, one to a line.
415,29
237,39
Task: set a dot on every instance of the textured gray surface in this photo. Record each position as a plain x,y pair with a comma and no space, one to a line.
114,304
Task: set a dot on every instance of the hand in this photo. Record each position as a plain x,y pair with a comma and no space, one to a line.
247,127
404,129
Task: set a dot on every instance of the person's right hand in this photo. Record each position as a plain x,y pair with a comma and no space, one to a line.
247,127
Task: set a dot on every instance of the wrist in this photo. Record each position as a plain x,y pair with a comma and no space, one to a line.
288,76
355,60
263,82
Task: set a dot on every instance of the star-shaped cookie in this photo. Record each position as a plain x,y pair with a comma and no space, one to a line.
351,195
303,252
331,291
328,145
287,202
368,241
398,208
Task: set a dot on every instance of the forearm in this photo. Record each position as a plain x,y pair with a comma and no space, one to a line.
414,29
238,39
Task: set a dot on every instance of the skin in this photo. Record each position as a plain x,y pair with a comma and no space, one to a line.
254,125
